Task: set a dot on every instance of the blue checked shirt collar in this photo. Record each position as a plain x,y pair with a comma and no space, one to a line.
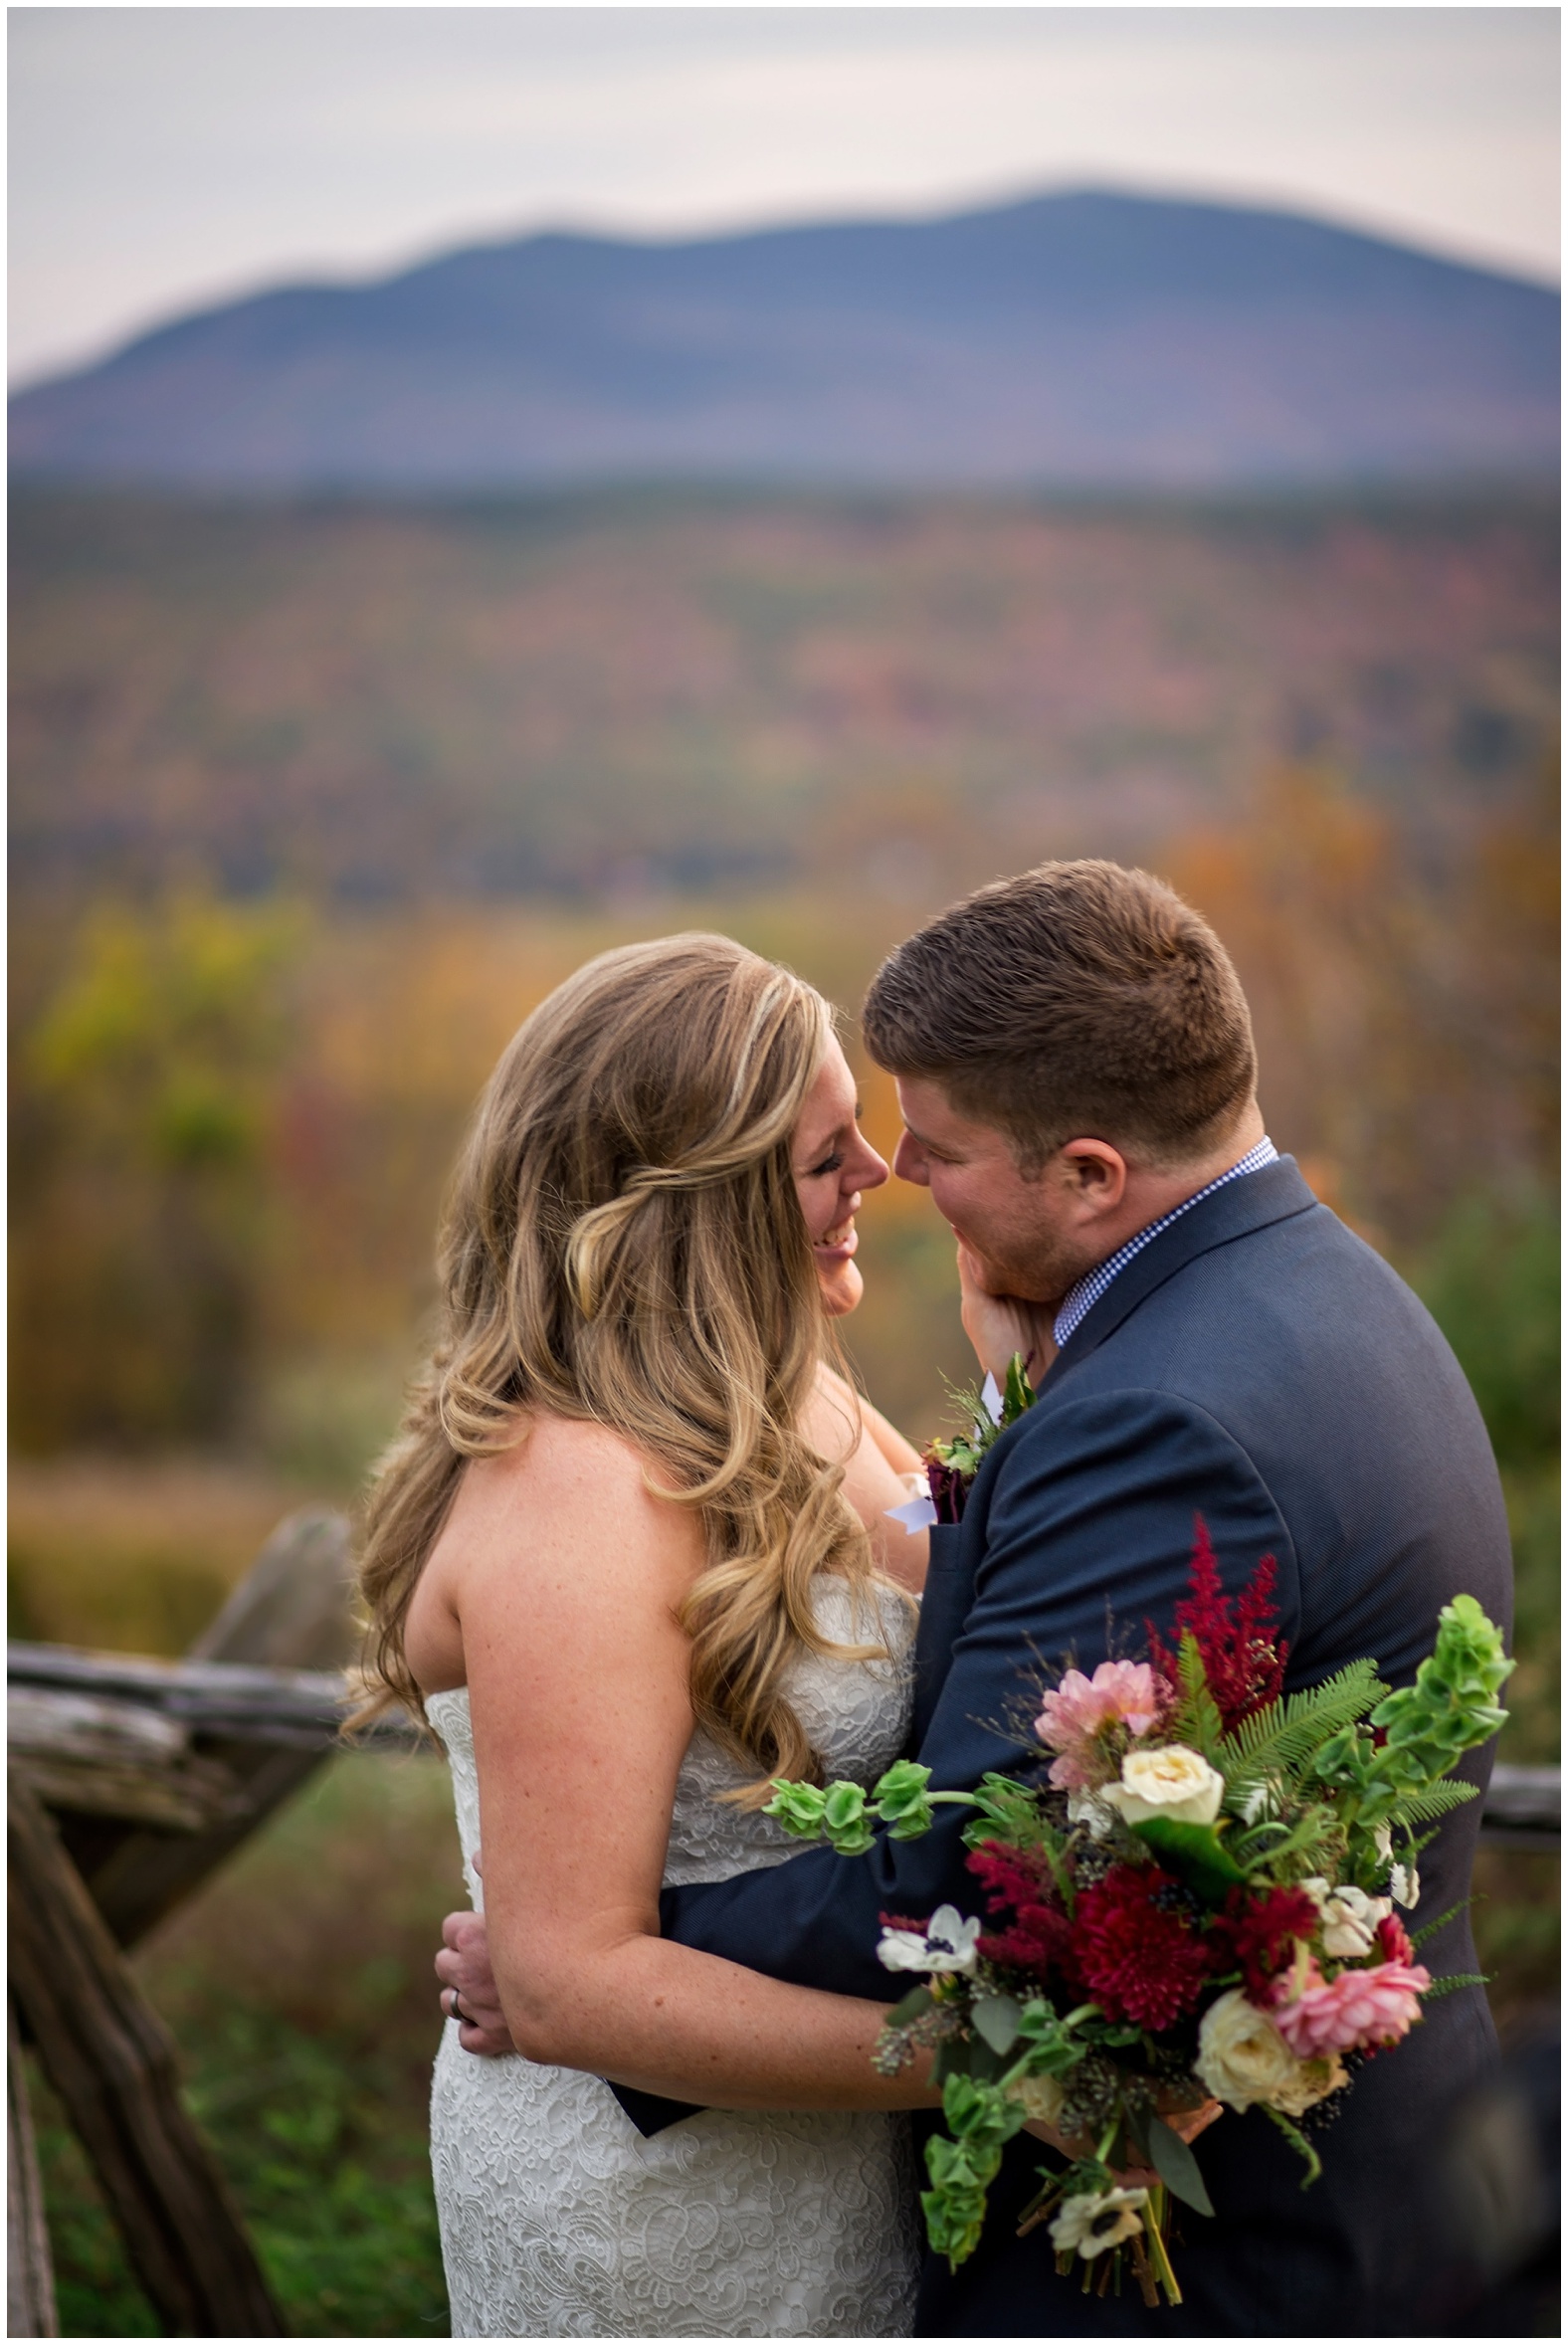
1080,1299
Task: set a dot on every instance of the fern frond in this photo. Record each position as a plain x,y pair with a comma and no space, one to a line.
1431,1928
1454,1979
1198,1722
1316,1828
1290,1732
1439,1799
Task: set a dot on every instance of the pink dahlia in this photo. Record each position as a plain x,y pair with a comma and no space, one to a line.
1078,1713
1359,2007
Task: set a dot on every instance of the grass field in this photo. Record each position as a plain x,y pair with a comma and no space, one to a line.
299,1989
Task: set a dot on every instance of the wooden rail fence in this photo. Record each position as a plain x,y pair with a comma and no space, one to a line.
131,1780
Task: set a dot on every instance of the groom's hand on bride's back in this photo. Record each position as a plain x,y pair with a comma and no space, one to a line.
464,1968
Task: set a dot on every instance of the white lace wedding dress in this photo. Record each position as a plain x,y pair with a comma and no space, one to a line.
559,2218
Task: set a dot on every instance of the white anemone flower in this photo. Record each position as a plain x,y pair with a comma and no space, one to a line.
1093,2219
1350,1919
948,1944
1404,1881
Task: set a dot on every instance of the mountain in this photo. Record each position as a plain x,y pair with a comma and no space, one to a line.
1087,339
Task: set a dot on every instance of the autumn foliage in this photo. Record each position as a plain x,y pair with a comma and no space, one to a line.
310,808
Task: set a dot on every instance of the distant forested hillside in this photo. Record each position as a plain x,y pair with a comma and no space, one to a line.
1084,336
608,698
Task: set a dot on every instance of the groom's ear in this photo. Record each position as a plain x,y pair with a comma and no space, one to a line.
1094,1174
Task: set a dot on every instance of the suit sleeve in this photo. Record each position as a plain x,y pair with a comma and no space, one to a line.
1087,1531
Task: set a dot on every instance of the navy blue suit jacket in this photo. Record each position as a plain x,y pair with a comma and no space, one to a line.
1256,1364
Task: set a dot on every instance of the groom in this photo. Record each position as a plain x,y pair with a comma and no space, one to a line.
1075,1069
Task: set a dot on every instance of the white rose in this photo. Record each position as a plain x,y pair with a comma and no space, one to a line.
1041,2098
1350,1919
1241,2055
1173,1782
1314,2081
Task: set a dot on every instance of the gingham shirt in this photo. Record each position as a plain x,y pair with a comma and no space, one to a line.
1080,1299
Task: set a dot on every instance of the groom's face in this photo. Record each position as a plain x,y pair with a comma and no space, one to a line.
1028,1230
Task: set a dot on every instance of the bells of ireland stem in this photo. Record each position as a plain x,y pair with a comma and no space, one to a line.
902,1800
1453,1704
845,1821
798,1807
837,1815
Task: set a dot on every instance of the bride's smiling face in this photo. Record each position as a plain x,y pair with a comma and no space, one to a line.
832,1163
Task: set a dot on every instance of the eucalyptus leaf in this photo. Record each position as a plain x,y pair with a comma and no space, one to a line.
1176,2166
1136,2114
909,2006
996,2018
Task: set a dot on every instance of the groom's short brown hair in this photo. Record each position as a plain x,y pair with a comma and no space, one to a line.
1078,999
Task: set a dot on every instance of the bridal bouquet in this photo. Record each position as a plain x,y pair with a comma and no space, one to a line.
1193,1899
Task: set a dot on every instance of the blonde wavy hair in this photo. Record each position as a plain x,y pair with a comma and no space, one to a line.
622,1244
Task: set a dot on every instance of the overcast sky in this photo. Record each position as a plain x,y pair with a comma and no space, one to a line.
165,158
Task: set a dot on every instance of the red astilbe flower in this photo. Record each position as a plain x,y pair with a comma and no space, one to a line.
1138,1953
1241,1658
1040,1937
1257,1934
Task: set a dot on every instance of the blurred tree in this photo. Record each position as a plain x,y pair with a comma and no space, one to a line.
1403,985
140,1191
1510,932
1492,1280
233,1132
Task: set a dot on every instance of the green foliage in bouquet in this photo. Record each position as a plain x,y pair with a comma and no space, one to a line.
1210,1872
965,1450
1389,1772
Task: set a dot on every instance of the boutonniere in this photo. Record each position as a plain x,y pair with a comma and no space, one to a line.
984,1411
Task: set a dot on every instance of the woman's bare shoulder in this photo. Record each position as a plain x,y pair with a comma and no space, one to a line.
564,1486
560,1519
546,1447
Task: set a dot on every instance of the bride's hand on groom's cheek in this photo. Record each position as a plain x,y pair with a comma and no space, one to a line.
998,1325
463,1969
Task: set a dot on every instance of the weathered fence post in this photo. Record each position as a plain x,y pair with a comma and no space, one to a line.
110,2058
29,2269
292,1610
294,1606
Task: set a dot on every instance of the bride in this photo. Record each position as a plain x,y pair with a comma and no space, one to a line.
630,1557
